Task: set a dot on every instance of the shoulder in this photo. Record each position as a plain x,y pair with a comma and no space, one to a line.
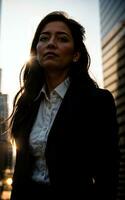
103,101
101,93
99,98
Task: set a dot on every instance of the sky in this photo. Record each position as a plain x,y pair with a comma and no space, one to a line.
19,20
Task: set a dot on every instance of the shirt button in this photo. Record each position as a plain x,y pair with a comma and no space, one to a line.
44,128
49,106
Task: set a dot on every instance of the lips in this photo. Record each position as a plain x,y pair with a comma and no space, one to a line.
50,54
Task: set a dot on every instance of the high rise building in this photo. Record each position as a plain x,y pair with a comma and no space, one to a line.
3,113
112,23
5,144
6,159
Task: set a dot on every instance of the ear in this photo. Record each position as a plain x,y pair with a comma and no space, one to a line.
76,56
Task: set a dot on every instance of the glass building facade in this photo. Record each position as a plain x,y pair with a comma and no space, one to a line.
112,24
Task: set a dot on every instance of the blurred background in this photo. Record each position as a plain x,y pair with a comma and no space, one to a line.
104,22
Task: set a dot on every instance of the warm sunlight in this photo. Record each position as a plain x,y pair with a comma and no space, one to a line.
14,52
14,149
17,30
15,61
9,181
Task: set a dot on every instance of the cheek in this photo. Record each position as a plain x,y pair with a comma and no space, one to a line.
39,48
68,51
68,48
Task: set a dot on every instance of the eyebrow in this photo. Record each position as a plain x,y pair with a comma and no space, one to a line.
58,33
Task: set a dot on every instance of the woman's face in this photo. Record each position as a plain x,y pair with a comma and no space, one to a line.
55,49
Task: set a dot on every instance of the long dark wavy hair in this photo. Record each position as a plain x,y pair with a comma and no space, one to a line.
32,75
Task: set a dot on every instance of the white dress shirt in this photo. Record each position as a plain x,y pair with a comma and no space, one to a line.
41,128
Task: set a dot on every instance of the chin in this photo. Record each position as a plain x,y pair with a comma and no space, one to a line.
50,64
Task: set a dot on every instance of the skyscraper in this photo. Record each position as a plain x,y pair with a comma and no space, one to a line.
5,145
112,22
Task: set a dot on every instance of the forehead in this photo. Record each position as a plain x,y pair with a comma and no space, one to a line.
56,26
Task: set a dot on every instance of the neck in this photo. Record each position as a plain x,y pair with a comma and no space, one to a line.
54,79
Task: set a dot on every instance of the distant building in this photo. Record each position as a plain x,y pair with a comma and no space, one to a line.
112,21
3,112
5,145
3,116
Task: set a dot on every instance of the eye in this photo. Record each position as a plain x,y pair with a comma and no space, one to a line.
63,38
43,38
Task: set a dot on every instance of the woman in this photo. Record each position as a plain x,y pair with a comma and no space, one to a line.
64,126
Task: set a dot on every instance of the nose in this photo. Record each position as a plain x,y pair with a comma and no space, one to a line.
52,42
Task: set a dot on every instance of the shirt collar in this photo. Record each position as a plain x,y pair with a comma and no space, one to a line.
60,89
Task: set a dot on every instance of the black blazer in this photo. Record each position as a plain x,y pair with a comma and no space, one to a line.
82,149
